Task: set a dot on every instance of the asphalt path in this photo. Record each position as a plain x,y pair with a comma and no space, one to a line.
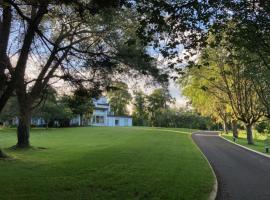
241,174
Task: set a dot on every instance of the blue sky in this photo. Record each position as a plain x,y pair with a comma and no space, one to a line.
174,89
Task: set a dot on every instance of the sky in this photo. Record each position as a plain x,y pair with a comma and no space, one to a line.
174,89
175,92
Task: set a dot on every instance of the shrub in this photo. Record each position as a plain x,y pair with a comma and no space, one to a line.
263,126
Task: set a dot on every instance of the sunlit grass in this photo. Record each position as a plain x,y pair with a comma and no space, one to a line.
260,140
105,163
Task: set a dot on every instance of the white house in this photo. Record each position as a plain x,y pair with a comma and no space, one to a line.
103,116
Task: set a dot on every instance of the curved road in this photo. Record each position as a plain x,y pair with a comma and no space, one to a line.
241,174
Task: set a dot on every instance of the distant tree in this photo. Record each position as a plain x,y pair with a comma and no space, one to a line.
176,118
119,98
63,113
159,99
48,106
139,108
52,108
81,103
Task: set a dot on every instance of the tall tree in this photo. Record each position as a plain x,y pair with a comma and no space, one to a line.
247,27
225,73
139,108
159,99
81,104
208,102
119,98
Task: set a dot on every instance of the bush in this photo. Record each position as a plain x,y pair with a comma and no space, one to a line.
262,127
178,119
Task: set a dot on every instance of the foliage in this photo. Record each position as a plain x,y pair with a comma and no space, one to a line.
119,98
80,103
139,115
210,103
180,119
159,99
155,110
221,75
263,127
53,109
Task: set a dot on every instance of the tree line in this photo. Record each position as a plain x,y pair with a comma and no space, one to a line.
156,109
230,81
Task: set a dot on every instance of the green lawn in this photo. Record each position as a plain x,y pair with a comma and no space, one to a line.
105,163
259,140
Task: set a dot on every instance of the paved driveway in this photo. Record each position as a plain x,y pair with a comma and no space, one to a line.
241,174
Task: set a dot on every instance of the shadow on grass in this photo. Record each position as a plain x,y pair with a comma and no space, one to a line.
33,148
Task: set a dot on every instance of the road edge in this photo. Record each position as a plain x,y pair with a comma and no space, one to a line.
254,151
213,193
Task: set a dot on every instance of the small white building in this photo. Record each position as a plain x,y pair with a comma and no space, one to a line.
103,116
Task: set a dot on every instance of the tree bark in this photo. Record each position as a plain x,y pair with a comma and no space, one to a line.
249,134
234,128
23,130
4,60
225,128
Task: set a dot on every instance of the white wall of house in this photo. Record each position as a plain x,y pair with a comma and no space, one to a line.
102,116
119,121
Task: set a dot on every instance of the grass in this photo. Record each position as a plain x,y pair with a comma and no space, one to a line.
104,164
259,140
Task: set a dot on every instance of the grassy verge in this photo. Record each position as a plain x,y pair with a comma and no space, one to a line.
105,163
259,140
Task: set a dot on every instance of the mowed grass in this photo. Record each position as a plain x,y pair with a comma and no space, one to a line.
259,140
105,163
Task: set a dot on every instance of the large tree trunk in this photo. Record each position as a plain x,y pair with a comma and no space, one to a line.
23,130
249,134
234,128
225,127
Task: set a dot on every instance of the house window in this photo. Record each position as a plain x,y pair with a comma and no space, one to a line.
99,119
117,122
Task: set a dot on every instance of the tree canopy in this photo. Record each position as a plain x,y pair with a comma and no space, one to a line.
119,98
